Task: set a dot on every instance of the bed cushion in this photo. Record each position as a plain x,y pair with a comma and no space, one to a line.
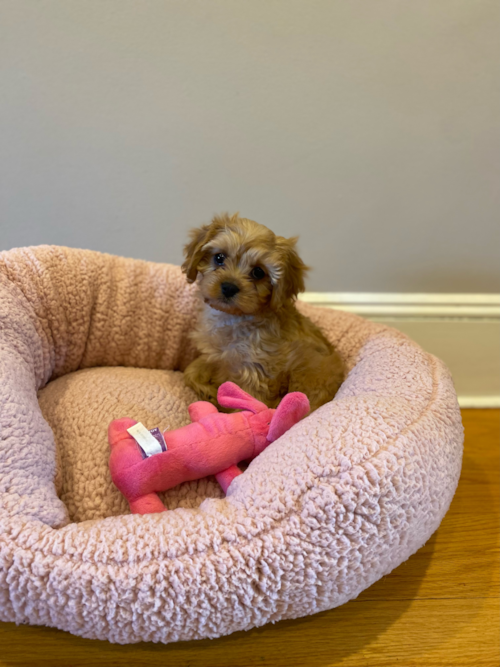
340,500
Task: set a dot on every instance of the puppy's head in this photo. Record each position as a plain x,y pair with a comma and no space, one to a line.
244,267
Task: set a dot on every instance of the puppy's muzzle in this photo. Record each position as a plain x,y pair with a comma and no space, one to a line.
229,289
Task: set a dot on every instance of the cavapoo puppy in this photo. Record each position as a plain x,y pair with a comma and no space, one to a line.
249,330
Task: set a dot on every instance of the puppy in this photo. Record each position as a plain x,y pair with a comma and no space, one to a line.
250,331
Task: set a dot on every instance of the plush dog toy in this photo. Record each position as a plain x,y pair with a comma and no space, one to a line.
213,444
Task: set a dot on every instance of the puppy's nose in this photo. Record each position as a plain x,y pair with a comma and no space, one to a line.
229,289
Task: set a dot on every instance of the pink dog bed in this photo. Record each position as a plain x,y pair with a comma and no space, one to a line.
337,502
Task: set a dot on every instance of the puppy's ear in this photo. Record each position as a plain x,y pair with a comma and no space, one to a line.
193,251
290,273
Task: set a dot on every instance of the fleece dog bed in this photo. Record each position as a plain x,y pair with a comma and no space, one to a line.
337,502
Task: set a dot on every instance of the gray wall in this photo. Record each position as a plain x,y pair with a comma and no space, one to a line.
369,128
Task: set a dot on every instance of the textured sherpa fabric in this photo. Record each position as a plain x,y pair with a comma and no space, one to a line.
327,509
79,407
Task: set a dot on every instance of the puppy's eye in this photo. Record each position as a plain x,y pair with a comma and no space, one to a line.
219,258
258,273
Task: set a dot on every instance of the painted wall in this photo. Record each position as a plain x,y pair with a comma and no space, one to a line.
369,128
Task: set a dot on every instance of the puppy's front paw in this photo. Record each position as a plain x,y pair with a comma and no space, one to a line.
208,395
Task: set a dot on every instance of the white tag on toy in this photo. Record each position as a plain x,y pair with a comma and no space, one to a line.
146,441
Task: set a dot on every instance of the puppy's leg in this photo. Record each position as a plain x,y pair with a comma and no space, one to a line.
317,375
200,376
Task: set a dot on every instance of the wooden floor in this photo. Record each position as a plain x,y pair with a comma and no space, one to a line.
441,607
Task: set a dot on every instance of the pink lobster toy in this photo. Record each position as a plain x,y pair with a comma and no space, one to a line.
213,444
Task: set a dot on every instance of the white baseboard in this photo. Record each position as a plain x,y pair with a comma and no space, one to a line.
461,329
479,401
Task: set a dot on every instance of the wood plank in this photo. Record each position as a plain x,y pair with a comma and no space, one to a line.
427,633
439,609
458,561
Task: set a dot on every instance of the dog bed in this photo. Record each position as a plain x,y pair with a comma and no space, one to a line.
337,502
